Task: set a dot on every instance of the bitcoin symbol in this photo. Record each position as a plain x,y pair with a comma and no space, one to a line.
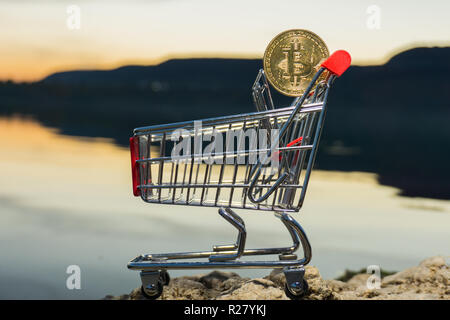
292,58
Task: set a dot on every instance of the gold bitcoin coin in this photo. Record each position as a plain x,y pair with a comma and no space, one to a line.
291,60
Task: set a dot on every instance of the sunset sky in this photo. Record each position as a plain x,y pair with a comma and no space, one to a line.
35,39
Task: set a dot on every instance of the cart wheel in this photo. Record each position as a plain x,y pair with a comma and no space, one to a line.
165,277
152,294
297,294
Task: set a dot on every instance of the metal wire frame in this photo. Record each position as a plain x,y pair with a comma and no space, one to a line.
188,180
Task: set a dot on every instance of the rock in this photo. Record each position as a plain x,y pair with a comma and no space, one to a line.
186,289
255,289
437,262
429,280
338,286
215,279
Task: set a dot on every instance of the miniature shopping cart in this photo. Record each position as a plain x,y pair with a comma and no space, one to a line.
269,170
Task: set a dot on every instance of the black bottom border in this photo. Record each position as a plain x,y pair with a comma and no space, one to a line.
233,309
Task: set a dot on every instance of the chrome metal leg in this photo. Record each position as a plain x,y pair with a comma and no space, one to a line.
228,256
296,230
238,223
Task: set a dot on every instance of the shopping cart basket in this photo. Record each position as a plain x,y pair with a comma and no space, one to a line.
269,170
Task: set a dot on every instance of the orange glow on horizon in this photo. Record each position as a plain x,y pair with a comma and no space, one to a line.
27,70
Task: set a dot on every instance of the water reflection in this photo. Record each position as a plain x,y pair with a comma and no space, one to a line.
65,200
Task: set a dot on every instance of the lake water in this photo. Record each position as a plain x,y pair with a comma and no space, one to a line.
68,201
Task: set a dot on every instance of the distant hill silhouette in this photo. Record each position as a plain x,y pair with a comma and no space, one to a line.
391,119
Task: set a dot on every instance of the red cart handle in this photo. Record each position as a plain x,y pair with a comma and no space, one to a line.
338,62
134,150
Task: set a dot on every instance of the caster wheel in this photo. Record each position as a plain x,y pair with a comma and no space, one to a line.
165,278
297,294
152,294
